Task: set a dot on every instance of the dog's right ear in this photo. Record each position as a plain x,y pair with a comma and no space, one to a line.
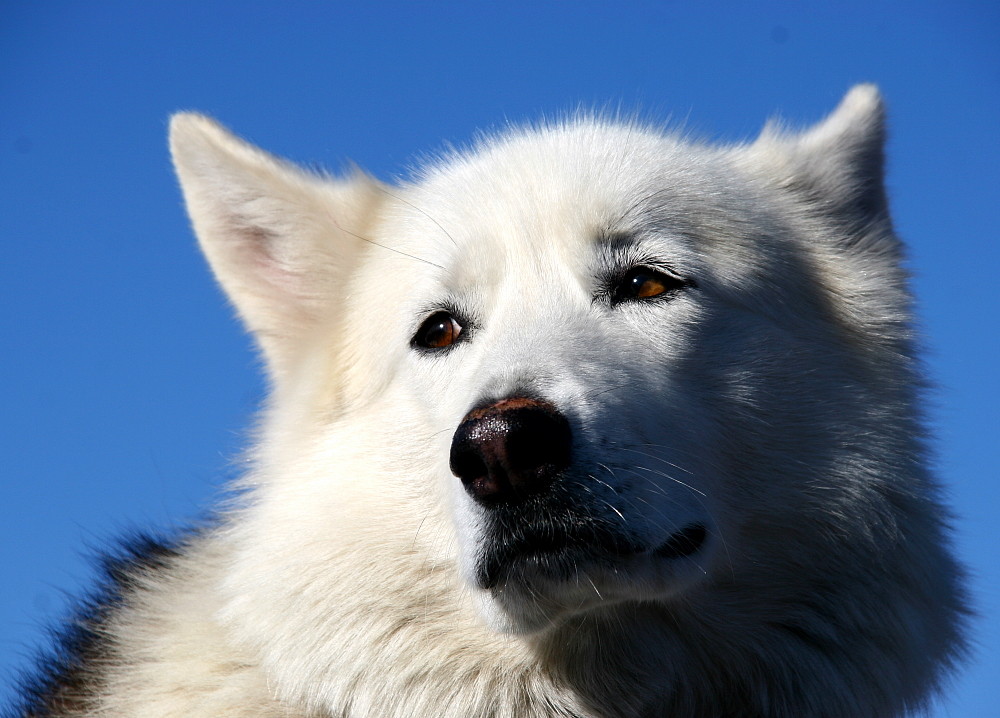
280,240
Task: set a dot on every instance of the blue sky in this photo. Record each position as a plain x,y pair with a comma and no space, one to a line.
126,385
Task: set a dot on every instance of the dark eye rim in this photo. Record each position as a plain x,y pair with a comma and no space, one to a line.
617,290
465,328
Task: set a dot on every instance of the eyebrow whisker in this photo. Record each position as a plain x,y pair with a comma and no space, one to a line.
410,204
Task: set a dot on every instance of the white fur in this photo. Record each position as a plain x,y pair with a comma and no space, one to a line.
776,402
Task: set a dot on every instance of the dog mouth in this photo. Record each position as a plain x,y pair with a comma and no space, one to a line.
560,555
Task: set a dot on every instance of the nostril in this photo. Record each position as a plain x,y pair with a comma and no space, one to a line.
538,443
468,463
510,449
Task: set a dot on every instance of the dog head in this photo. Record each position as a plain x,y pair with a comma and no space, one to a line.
588,365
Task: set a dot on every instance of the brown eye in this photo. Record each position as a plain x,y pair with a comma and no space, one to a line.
439,331
645,283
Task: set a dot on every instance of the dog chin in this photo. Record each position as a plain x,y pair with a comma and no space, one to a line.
521,616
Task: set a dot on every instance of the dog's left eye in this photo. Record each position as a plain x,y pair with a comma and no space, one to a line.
645,283
439,331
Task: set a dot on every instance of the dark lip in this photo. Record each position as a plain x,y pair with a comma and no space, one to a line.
554,555
558,555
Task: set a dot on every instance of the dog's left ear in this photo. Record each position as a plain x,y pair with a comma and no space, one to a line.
837,165
280,240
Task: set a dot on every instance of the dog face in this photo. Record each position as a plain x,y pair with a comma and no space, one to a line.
551,353
606,356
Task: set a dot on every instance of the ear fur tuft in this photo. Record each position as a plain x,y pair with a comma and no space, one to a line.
838,164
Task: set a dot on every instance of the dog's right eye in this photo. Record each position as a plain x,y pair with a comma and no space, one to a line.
439,331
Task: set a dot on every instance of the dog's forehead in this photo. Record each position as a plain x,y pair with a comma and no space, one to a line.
544,184
554,192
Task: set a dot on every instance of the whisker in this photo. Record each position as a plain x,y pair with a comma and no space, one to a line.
616,387
417,532
383,246
657,458
410,204
670,478
594,586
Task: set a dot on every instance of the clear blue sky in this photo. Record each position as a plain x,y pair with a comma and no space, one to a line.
126,386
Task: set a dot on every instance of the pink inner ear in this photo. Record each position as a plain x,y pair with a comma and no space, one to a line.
253,250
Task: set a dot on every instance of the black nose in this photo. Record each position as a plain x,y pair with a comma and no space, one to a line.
510,449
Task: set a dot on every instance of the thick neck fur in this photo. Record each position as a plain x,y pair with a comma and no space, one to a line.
844,640
719,652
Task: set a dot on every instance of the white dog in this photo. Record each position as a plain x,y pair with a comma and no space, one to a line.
587,421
